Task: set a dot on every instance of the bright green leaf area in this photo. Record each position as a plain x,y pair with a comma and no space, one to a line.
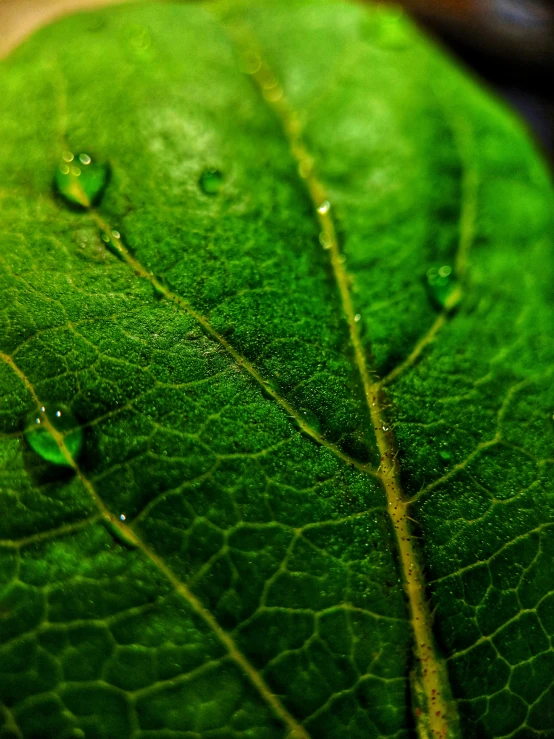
285,545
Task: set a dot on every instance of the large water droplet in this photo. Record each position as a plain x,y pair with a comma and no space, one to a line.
444,288
210,181
40,438
81,181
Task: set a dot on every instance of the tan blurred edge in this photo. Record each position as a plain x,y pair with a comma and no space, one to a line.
19,18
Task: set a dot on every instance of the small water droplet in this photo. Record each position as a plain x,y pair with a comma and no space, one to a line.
325,240
41,440
113,244
272,94
305,167
341,259
445,455
444,288
81,187
357,317
269,82
310,419
122,517
251,63
324,208
211,181
386,429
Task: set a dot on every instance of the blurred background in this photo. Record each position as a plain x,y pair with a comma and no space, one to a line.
509,43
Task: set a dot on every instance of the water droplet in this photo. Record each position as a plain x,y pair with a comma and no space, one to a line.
269,82
122,517
444,288
325,240
310,419
273,93
210,181
40,438
251,63
305,167
445,455
113,244
81,187
325,207
357,317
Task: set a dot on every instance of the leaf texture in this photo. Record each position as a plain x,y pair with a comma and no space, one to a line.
284,435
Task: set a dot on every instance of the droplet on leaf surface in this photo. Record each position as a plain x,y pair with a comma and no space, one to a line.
43,441
81,184
113,243
310,419
210,181
443,287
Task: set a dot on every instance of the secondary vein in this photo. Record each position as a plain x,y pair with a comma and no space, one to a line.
295,729
241,360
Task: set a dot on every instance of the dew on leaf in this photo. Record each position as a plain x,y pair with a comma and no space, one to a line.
40,438
443,287
81,184
310,419
210,181
445,455
113,243
325,240
324,207
251,63
357,317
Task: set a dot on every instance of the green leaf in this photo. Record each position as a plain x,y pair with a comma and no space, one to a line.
304,337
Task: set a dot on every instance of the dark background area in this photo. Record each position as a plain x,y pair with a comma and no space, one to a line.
510,43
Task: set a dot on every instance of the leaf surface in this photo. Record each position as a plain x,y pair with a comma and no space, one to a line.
287,429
